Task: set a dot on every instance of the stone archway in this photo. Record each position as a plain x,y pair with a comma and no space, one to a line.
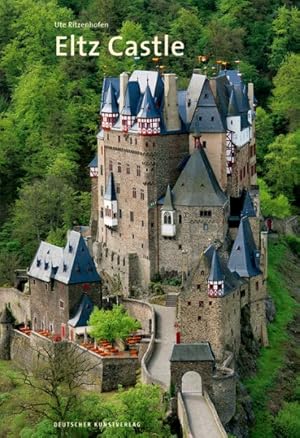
191,382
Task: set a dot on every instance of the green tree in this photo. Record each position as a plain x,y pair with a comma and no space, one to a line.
286,92
111,324
277,207
264,136
283,165
286,39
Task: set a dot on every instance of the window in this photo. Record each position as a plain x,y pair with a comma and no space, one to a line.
199,318
198,286
244,171
135,141
212,119
204,144
243,293
180,219
189,303
61,304
206,96
142,194
167,218
131,216
205,227
179,246
119,138
134,192
124,261
128,169
201,304
241,174
118,260
52,283
130,140
101,190
202,272
118,187
133,236
101,169
138,170
110,165
257,285
200,118
120,213
142,223
146,144
210,303
119,167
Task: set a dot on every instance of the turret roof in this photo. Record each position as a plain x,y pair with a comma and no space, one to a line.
148,109
216,272
83,312
132,97
110,102
244,257
110,192
197,184
248,208
232,105
168,203
94,162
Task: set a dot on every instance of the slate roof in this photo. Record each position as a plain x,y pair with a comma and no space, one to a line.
244,256
6,316
110,192
132,97
94,162
148,109
168,203
200,352
197,184
232,105
82,313
231,279
216,272
248,208
110,101
69,265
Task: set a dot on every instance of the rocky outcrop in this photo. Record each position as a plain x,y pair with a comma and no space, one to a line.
240,424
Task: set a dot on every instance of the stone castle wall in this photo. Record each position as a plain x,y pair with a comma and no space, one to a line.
224,394
18,302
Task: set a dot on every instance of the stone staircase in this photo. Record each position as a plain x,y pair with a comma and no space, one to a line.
171,300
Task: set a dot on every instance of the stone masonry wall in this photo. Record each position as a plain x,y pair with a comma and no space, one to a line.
224,394
204,369
140,311
18,302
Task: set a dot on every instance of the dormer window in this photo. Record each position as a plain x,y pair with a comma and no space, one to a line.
70,248
46,265
64,267
38,262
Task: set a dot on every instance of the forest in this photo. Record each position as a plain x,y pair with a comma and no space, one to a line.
49,105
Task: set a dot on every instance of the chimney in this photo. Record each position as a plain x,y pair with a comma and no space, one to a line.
123,87
251,95
171,115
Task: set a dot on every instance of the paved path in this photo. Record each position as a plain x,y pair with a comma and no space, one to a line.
201,420
159,365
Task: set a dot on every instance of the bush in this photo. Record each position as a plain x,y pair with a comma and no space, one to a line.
287,422
294,244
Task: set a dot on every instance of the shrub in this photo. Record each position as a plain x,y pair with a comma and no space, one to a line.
287,422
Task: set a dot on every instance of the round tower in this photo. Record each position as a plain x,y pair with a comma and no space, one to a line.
6,323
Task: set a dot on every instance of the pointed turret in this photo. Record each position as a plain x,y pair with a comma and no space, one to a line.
110,109
148,117
248,208
244,256
128,113
216,277
168,225
232,105
110,203
93,165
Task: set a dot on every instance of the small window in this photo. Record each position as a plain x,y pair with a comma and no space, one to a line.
257,285
101,190
180,219
200,118
189,303
118,187
243,293
202,272
101,212
131,216
179,246
101,169
212,118
61,304
198,286
204,144
201,303
205,227
201,213
110,166
206,96
123,261
199,318
134,192
210,303
142,194
119,167
138,170
142,223
133,236
120,213
119,138
128,169
135,141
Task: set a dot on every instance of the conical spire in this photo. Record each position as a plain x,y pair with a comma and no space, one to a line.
148,110
244,257
232,104
110,104
248,208
110,193
168,203
216,272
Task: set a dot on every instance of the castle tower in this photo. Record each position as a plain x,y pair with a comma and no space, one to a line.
216,277
6,323
110,110
110,203
148,117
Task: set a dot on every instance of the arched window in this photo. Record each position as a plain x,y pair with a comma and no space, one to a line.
167,218
134,192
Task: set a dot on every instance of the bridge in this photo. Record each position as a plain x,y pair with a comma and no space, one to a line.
196,412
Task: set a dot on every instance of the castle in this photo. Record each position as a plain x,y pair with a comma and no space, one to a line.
174,194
